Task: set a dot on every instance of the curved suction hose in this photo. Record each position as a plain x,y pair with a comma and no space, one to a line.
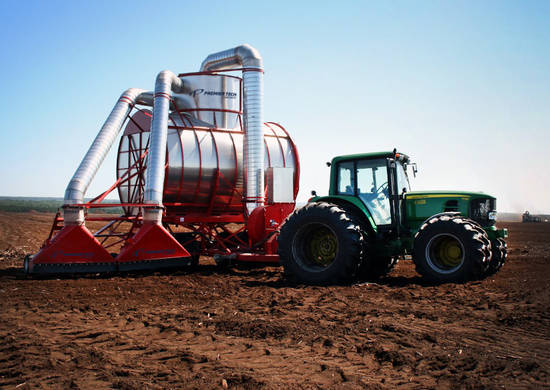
179,101
74,194
251,60
166,83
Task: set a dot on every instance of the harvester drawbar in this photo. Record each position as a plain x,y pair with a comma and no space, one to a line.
199,173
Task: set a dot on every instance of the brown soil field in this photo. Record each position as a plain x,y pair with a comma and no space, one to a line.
249,328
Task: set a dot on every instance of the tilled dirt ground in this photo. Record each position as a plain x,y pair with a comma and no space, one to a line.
248,328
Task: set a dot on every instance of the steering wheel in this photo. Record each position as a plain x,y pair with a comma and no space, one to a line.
382,187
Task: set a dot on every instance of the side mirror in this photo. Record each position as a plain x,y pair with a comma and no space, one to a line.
313,193
328,164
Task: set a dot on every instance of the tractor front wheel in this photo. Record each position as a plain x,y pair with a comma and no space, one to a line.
449,249
320,244
500,252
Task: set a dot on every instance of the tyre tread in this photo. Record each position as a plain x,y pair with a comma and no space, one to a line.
346,270
475,261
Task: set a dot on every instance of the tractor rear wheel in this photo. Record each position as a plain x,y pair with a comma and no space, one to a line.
500,252
320,244
449,248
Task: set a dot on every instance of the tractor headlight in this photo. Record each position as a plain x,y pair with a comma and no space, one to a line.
492,216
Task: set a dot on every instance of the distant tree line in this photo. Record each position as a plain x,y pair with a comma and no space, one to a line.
47,205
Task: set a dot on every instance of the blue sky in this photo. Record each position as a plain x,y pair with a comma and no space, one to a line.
462,87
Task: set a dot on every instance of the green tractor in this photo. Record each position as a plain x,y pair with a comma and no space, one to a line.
370,219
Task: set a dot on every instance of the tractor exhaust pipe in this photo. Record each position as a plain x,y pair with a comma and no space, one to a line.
251,61
74,194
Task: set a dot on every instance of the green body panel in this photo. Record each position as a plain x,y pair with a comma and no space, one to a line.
495,233
421,205
350,199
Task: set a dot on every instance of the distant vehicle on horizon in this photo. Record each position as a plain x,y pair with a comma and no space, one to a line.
527,217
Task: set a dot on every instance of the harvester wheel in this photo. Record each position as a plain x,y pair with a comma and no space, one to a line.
449,248
320,244
26,264
500,252
193,247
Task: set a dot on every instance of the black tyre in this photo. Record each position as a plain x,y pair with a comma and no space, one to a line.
191,244
373,267
320,244
26,262
500,252
487,246
449,248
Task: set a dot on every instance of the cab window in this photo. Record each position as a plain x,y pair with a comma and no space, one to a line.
402,179
372,188
346,179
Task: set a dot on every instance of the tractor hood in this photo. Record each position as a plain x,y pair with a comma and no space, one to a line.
446,194
421,205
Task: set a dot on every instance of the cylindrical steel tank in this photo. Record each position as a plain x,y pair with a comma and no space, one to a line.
216,99
205,171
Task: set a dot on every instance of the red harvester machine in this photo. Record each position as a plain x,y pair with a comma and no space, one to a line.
198,173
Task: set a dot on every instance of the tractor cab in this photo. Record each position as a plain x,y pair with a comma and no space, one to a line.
377,181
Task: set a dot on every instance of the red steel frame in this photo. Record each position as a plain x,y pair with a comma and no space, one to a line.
206,232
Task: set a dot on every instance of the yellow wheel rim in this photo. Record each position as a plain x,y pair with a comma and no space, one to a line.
322,246
450,252
445,253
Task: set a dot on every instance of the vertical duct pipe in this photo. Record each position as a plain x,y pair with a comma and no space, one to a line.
76,189
166,83
250,59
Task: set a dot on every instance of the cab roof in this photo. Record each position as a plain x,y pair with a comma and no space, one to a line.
369,156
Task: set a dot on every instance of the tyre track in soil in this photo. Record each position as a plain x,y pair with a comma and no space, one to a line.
249,328
92,341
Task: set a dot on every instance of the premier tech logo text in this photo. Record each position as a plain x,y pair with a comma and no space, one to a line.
202,91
